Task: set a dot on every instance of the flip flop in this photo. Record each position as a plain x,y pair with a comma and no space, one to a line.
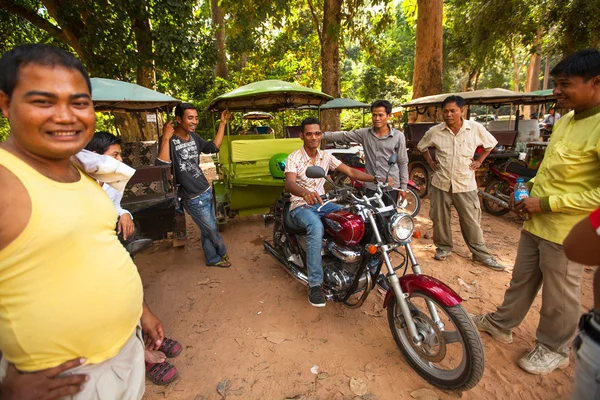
170,347
220,264
162,373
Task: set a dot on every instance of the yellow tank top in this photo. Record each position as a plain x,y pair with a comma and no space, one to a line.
68,288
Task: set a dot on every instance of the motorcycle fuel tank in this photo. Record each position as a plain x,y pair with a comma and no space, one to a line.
345,228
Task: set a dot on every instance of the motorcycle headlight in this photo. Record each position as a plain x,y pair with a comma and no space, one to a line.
401,227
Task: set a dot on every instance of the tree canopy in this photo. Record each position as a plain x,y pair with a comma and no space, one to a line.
351,48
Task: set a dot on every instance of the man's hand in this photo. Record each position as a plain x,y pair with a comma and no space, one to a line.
312,198
125,226
390,181
434,166
225,116
168,130
532,205
474,165
43,385
401,196
154,333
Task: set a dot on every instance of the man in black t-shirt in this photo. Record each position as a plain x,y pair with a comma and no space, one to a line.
182,146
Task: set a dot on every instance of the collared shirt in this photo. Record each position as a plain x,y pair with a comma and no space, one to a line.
377,152
299,161
454,154
116,197
551,119
568,180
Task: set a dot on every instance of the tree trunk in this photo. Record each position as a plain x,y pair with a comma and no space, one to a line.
330,60
532,80
134,126
219,27
427,78
146,74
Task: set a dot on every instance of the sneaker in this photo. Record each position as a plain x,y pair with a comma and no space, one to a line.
483,325
541,360
441,255
491,263
316,297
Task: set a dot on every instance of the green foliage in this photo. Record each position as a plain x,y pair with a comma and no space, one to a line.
4,129
575,25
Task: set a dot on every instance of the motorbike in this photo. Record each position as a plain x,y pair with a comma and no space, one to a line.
500,184
427,321
353,156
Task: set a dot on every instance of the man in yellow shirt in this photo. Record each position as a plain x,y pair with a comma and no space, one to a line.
565,190
71,298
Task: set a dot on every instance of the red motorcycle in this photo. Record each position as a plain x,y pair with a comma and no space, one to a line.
500,184
426,318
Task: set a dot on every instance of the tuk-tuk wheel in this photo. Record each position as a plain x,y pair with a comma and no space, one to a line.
419,174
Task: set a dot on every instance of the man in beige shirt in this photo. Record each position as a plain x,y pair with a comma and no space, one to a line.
453,182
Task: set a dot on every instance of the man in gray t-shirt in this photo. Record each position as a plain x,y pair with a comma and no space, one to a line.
379,142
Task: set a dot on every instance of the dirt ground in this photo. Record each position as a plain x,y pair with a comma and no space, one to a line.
252,324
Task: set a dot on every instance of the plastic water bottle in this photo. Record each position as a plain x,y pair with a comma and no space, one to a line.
521,192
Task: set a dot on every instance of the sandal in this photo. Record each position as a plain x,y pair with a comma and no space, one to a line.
220,264
162,373
170,347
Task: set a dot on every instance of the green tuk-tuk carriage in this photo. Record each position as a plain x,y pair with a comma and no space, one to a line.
245,185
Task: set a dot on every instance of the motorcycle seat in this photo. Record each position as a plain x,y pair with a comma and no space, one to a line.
288,222
521,170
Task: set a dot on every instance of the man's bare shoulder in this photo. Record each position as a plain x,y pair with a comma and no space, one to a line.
15,207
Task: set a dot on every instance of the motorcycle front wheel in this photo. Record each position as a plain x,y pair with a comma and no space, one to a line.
412,203
451,356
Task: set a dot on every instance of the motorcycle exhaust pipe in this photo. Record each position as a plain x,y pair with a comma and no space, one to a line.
495,199
289,267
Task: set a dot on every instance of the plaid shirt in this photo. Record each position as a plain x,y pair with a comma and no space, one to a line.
298,161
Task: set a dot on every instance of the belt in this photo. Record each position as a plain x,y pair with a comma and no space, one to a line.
591,328
198,195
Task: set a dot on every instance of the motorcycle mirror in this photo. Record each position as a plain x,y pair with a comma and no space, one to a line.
315,172
393,159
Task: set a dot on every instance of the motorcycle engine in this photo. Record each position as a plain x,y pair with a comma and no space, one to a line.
341,266
335,276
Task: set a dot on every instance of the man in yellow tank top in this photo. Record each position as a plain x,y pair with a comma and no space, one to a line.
70,296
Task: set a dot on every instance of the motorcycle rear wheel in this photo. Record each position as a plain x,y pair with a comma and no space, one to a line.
494,187
441,344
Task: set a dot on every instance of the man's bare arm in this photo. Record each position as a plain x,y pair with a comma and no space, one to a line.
581,246
297,190
225,115
164,153
13,218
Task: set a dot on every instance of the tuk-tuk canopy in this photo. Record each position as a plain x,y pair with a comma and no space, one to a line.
485,96
542,95
268,95
343,103
494,97
257,115
110,94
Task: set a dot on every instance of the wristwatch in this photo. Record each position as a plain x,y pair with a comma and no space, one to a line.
375,179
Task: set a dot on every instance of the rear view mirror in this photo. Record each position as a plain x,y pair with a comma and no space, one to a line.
315,172
393,159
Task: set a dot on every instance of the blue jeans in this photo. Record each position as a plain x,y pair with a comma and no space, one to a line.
309,218
202,212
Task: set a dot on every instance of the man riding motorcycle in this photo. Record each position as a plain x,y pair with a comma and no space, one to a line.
307,206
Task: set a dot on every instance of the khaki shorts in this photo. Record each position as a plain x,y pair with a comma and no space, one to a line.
120,377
